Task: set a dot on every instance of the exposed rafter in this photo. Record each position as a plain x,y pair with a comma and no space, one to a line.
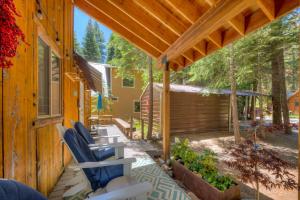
163,15
117,28
189,10
238,23
145,19
201,28
217,38
268,7
109,10
184,31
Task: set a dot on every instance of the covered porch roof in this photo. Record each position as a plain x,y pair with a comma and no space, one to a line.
184,31
90,74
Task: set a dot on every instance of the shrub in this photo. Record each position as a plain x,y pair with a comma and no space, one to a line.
203,164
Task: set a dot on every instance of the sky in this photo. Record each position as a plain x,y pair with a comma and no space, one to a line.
80,22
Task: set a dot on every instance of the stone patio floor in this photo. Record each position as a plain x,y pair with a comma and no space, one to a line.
145,169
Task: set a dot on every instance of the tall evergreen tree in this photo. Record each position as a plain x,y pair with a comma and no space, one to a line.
77,46
100,40
91,50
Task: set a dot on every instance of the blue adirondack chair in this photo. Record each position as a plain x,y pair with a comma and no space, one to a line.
13,190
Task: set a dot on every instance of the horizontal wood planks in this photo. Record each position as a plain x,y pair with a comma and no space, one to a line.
32,151
190,112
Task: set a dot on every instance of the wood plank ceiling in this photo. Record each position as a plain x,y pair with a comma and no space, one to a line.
184,30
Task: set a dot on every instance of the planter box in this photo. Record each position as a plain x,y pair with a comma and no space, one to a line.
200,187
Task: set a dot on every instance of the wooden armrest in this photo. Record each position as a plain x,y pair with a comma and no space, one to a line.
125,161
106,136
126,192
101,146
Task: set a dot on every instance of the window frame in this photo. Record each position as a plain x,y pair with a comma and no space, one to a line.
53,49
123,86
134,101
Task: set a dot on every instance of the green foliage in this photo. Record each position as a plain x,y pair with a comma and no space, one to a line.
100,41
203,164
77,46
126,57
252,57
91,51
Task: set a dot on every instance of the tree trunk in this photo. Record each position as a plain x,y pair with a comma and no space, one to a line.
283,95
277,115
150,116
253,102
233,98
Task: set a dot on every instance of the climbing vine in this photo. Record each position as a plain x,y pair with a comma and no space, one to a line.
10,33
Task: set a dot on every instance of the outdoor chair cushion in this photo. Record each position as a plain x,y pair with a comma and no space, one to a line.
13,190
98,177
100,154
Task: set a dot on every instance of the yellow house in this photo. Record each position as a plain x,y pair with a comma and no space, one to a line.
125,94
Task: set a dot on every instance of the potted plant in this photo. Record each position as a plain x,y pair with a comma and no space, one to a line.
198,172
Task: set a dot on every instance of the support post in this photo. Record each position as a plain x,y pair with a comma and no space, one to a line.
142,129
166,110
131,127
299,133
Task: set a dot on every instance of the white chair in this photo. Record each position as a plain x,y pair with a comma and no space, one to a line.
122,187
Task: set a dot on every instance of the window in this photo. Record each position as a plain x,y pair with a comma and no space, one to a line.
49,83
137,106
296,103
128,82
43,75
115,99
55,85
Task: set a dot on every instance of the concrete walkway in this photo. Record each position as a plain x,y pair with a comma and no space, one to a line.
145,169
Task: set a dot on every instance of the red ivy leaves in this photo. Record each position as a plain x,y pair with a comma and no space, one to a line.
10,33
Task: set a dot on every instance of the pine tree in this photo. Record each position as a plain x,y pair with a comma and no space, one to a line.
100,40
91,50
77,46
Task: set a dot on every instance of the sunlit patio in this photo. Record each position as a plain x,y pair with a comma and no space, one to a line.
52,148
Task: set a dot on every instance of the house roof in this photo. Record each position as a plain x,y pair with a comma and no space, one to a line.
184,31
91,75
290,95
204,90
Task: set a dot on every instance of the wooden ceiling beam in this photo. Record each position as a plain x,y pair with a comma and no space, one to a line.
145,19
139,43
209,22
238,23
211,3
217,38
189,54
163,15
109,10
268,7
202,47
186,8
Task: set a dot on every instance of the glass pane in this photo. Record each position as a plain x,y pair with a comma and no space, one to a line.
137,106
43,76
128,82
55,85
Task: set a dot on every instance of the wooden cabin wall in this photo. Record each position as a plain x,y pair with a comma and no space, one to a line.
32,150
194,113
156,108
87,106
18,110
